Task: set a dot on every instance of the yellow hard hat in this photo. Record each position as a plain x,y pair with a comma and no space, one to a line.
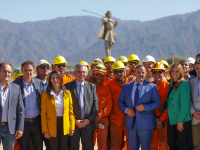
85,63
118,65
17,73
133,57
123,59
97,61
165,63
99,67
109,59
59,60
158,65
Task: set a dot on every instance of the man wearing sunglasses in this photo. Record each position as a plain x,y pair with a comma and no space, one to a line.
159,136
59,64
42,70
108,62
104,107
133,61
138,100
148,62
117,117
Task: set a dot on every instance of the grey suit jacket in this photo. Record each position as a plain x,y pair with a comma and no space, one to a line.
15,109
195,99
38,89
91,102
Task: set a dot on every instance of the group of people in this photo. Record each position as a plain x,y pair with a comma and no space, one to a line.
152,106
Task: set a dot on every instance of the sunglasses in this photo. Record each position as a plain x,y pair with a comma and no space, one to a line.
125,64
157,72
97,61
135,63
43,67
60,65
106,64
118,71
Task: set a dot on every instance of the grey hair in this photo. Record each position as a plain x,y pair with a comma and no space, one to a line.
80,65
138,66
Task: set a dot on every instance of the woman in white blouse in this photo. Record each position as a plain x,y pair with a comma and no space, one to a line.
58,121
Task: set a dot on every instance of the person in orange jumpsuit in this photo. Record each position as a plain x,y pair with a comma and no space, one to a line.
133,61
59,64
117,117
105,106
108,62
159,136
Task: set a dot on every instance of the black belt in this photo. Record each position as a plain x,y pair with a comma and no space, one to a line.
33,119
59,117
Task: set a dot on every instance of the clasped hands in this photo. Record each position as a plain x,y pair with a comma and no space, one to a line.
131,112
82,123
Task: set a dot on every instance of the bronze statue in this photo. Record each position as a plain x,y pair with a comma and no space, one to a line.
107,32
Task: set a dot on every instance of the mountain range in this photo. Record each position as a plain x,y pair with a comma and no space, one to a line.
76,38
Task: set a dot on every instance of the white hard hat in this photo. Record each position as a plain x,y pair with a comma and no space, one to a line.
191,60
42,61
148,58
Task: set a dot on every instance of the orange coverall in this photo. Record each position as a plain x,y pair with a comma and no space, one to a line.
159,137
67,78
105,106
117,117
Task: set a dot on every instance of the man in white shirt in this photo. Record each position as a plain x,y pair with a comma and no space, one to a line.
11,110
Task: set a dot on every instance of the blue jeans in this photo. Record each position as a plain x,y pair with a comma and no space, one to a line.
8,140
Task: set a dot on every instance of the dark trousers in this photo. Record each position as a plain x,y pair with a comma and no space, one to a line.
173,136
86,139
33,133
189,139
60,141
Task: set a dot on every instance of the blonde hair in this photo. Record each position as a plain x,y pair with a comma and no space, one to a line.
181,78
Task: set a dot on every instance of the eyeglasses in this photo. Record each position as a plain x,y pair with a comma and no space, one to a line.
135,63
118,71
43,67
157,72
60,65
106,64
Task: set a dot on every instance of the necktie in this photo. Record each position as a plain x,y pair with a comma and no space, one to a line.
81,98
136,95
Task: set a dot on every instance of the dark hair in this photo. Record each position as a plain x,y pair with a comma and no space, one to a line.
184,61
197,62
4,63
50,86
28,62
181,78
197,55
138,66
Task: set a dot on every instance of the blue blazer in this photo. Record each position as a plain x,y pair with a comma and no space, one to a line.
149,97
15,109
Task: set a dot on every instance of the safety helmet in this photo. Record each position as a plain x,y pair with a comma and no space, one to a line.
133,57
17,73
148,58
41,62
123,59
118,65
165,63
59,60
97,61
191,60
158,65
85,63
99,68
109,59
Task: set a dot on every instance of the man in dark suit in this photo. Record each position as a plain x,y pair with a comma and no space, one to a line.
138,100
193,72
31,94
11,110
85,106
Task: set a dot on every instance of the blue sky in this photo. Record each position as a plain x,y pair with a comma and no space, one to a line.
143,10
